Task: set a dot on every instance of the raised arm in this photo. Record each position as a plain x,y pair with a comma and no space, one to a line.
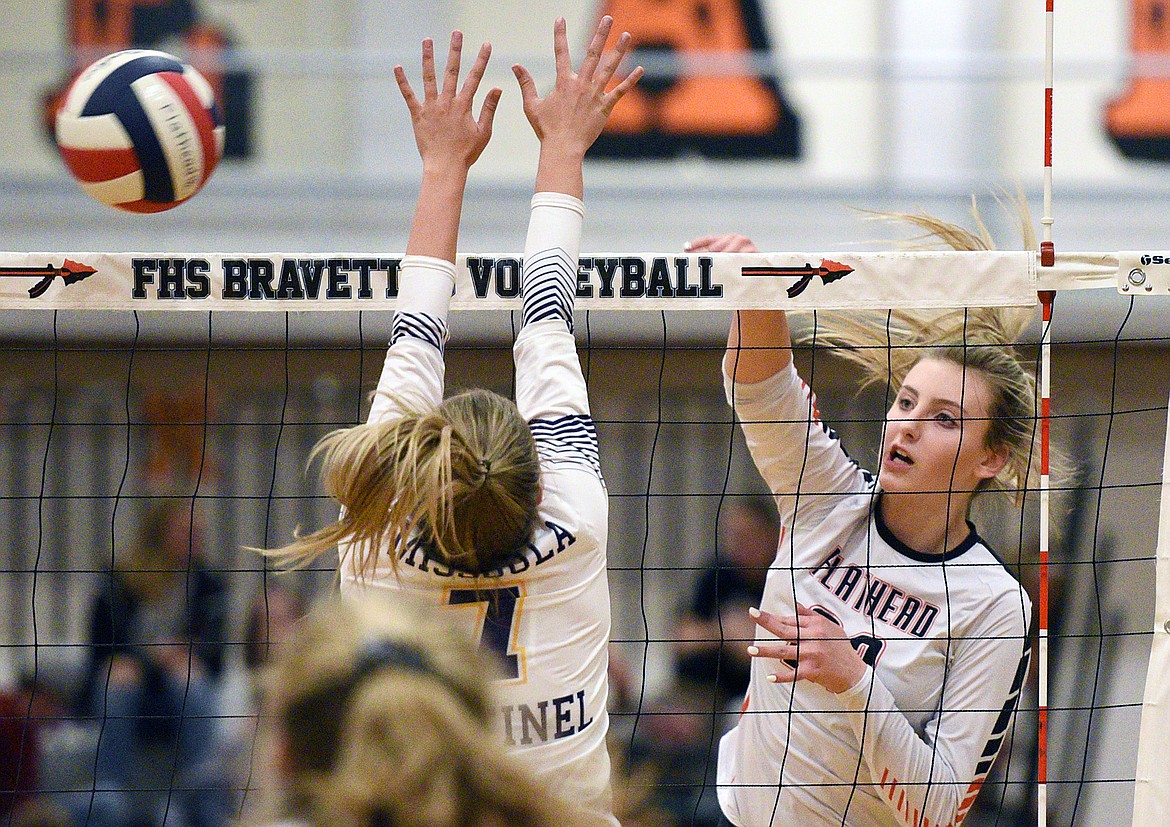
450,139
758,343
797,456
567,121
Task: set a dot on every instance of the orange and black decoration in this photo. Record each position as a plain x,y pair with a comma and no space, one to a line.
99,27
1138,122
680,106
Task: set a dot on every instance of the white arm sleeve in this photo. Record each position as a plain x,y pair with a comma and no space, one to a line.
549,381
413,372
550,386
550,257
961,741
798,456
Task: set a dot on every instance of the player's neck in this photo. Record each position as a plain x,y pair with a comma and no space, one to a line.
929,524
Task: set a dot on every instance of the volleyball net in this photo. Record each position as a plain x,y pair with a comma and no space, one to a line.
133,379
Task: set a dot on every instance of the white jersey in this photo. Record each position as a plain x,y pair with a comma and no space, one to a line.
946,637
546,613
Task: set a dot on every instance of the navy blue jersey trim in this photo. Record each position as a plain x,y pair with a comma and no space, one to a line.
571,438
549,287
421,326
968,543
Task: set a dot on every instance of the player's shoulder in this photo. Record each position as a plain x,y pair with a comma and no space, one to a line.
996,587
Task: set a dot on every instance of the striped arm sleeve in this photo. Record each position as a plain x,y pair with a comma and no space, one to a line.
421,326
413,371
424,298
549,283
550,257
568,439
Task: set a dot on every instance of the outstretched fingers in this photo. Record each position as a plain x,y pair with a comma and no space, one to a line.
454,55
446,127
407,92
575,110
596,50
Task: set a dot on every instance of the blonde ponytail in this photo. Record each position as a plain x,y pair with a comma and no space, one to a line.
462,480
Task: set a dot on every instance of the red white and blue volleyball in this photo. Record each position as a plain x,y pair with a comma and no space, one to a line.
140,130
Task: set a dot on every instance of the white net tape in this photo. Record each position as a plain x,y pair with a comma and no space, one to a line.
251,282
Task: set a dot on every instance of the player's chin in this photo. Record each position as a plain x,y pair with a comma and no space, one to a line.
896,481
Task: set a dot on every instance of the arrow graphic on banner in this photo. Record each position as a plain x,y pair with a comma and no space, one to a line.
829,271
70,272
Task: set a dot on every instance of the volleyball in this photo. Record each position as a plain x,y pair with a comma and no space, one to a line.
140,130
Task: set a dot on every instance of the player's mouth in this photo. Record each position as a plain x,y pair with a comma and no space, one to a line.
897,456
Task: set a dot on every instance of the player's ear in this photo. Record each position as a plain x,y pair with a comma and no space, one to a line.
994,459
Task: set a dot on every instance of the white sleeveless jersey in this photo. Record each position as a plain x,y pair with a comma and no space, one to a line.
946,638
547,613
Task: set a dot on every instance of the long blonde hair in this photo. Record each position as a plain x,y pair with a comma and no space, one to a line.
384,711
462,479
887,345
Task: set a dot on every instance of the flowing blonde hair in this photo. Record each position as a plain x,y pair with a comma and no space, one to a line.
403,738
887,345
462,479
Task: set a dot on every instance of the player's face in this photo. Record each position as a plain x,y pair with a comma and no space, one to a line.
936,432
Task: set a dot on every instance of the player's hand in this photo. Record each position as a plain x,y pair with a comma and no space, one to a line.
575,111
725,243
444,127
811,647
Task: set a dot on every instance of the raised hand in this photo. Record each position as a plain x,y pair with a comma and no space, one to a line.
444,128
726,243
571,116
810,647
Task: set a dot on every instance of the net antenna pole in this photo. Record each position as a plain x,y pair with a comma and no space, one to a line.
1046,301
1047,250
1047,259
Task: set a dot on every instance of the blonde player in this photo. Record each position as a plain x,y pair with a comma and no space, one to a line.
378,712
493,510
892,643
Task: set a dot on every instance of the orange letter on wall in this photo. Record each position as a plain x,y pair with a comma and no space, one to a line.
723,111
1139,121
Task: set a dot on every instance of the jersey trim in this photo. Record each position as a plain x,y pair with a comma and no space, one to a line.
571,438
422,326
969,542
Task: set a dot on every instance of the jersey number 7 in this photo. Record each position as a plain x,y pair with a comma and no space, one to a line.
500,609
